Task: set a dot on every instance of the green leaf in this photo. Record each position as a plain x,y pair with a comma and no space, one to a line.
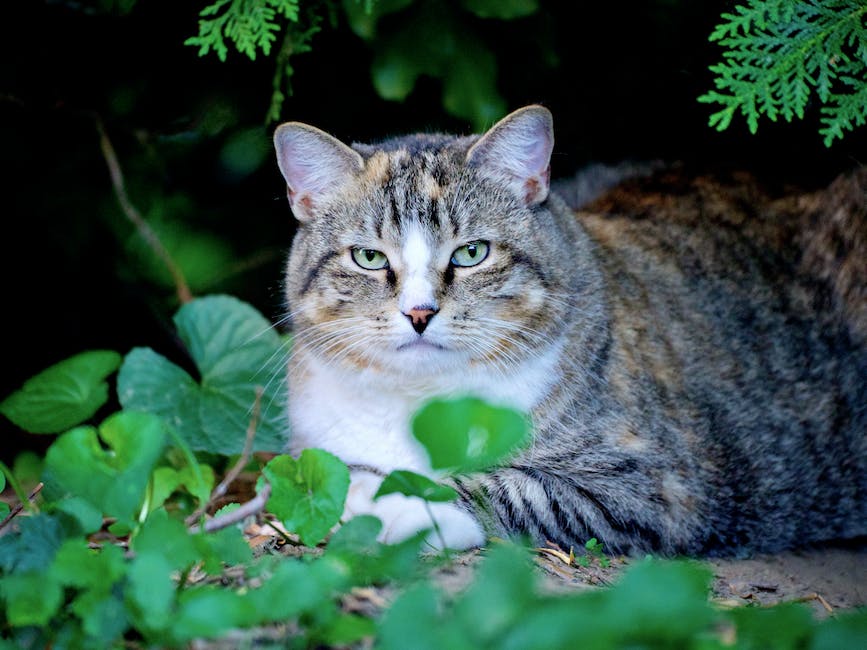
102,614
4,507
364,17
235,350
113,479
77,565
415,485
848,630
788,625
416,617
468,434
32,598
33,548
208,612
293,588
307,494
502,9
87,518
223,547
167,480
150,591
64,395
161,535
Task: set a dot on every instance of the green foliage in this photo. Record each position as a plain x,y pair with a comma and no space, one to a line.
778,53
467,434
251,25
410,38
235,351
66,394
113,478
308,493
61,586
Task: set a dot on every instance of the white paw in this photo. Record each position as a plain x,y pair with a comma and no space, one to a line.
402,517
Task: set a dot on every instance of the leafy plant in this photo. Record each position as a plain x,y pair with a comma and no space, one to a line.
108,559
779,52
410,38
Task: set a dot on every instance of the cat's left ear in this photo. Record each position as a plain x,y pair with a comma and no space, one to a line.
315,165
517,152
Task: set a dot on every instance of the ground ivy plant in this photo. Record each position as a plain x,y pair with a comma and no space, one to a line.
115,551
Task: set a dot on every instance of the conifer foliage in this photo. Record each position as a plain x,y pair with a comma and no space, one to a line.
779,53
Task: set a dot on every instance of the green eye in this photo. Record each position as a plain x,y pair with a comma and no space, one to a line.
470,254
369,259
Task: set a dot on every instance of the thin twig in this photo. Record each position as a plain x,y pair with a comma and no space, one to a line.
238,467
132,213
251,507
20,505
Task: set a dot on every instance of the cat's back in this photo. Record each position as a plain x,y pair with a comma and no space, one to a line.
740,315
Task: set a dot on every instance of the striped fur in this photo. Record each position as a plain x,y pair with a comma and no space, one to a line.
693,352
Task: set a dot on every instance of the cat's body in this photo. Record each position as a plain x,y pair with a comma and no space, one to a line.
694,358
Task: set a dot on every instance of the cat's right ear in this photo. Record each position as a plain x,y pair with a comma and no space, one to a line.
314,164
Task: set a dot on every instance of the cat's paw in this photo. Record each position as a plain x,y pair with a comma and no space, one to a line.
402,517
458,529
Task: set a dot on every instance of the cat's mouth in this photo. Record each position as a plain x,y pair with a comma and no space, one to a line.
420,344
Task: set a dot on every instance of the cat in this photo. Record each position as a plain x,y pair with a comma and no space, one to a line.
692,353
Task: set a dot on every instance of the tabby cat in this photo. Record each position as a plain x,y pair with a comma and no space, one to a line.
693,353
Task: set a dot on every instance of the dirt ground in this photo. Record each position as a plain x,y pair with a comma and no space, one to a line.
826,579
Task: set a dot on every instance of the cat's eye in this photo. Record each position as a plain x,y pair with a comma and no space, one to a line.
470,254
369,259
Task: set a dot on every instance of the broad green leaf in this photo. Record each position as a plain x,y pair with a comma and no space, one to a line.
468,434
87,518
502,9
293,588
113,479
208,612
33,548
369,561
847,630
32,598
150,590
504,590
415,485
787,625
103,616
348,629
64,395
161,535
4,507
308,493
77,565
235,350
168,479
223,547
686,587
416,618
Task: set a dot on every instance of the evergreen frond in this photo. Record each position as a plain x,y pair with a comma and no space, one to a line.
778,53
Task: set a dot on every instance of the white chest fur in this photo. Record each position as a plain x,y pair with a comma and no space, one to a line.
364,419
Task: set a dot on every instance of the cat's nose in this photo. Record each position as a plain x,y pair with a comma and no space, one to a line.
420,316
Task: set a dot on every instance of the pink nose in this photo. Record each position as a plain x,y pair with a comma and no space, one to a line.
420,317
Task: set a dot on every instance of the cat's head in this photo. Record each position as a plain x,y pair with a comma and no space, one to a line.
424,254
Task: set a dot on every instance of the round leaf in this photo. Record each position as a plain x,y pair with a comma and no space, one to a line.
468,434
235,350
307,494
113,479
64,395
415,485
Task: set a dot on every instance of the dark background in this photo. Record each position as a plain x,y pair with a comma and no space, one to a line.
621,79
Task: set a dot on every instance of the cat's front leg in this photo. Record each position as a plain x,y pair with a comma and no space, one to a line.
402,516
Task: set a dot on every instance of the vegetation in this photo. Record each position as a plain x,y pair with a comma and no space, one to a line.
119,551
779,52
116,549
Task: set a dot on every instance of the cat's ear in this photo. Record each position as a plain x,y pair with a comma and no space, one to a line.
517,152
314,165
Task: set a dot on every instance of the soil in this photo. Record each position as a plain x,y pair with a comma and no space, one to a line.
827,579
